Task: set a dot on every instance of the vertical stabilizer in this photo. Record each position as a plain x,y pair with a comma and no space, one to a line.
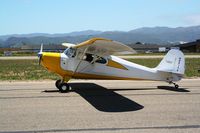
174,62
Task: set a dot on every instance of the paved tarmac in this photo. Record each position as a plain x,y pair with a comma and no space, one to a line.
100,106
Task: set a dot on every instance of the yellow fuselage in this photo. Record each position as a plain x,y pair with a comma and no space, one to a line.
51,61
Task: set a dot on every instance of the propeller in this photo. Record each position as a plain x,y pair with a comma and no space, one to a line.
40,54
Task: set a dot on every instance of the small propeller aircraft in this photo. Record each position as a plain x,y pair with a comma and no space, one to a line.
93,59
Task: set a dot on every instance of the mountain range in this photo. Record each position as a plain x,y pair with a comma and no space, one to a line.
150,35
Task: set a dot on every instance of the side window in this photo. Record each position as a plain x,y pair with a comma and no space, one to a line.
89,57
101,60
94,58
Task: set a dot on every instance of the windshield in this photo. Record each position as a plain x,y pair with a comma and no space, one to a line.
70,52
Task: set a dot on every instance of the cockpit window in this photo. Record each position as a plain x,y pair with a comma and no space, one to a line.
95,58
70,52
101,60
89,57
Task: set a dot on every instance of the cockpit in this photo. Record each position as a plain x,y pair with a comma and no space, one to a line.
71,52
94,58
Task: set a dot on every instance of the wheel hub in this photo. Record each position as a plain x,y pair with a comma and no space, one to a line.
64,87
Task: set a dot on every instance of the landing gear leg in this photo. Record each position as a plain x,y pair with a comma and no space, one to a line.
175,85
62,86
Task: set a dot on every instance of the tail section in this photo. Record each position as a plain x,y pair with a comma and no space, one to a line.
173,62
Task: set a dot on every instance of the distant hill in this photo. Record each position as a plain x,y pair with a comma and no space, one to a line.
154,35
1,43
77,33
18,41
185,34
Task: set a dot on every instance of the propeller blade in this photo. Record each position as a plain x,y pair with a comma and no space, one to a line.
41,48
40,53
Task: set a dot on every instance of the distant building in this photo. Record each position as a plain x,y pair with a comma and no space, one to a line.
7,53
190,47
162,49
175,48
32,49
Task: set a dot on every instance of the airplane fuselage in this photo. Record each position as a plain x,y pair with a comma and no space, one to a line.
109,67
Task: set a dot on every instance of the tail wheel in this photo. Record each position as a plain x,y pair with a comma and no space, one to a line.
176,86
64,87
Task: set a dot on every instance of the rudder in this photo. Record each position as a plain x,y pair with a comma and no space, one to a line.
174,62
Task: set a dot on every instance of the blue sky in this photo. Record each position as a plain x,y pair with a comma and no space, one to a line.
63,16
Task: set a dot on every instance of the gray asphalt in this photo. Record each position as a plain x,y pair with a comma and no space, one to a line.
100,106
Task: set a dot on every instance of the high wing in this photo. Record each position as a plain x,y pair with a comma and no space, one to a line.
103,47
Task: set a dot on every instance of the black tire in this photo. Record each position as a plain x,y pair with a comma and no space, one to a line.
64,87
57,84
176,86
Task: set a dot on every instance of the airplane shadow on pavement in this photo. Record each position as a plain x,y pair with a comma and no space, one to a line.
107,100
169,88
104,99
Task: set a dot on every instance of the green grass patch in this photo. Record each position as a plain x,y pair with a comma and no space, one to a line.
146,62
24,70
192,65
30,70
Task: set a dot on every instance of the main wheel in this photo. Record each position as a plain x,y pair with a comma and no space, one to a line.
57,84
64,87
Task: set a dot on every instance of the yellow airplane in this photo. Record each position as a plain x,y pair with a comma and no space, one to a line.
93,59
